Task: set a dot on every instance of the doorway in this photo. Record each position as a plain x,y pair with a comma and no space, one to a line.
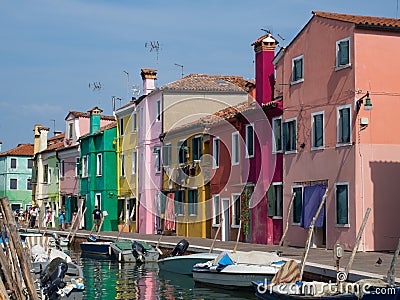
225,220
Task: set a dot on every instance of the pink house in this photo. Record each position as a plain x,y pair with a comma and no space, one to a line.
338,81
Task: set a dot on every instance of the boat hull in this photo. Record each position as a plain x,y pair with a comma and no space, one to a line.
184,264
97,248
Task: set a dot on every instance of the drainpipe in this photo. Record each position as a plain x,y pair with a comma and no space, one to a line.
362,181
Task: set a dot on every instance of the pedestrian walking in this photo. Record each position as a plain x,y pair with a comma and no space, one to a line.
97,215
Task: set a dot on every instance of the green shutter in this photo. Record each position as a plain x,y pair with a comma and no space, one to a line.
34,174
318,130
285,136
344,53
345,125
297,205
271,201
250,140
341,204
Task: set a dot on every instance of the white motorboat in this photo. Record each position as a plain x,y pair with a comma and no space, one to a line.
235,270
184,264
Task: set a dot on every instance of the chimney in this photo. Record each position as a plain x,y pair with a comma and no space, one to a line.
95,113
40,138
148,77
264,48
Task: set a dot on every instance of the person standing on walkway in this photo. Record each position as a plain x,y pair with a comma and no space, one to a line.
61,219
97,215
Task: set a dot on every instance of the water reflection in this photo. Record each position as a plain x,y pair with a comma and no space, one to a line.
108,279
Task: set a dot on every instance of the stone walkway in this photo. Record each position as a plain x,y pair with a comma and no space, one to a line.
319,261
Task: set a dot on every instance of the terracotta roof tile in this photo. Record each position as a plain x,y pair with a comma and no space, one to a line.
103,128
204,82
55,146
20,150
361,20
79,114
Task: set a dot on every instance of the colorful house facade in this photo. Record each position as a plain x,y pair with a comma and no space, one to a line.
16,176
98,178
339,104
127,157
168,107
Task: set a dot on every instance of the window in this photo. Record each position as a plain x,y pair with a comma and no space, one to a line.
298,69
167,155
121,126
122,158
179,202
277,130
275,200
30,163
193,202
85,166
342,203
216,210
289,135
97,200
49,175
29,184
297,203
215,154
158,117
62,168
45,173
13,184
317,134
235,148
70,131
235,210
343,124
134,162
182,148
157,152
13,164
249,140
77,163
99,164
134,122
343,53
196,148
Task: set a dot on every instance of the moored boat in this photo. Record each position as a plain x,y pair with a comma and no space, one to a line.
122,251
96,248
144,252
184,264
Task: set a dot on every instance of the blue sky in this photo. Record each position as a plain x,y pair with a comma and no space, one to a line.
51,50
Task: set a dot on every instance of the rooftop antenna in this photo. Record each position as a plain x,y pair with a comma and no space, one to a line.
55,132
153,46
397,8
266,30
181,66
135,90
127,85
95,86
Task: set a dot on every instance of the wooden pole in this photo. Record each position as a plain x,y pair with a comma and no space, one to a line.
238,236
77,226
215,237
73,223
3,291
6,269
119,232
390,275
358,240
24,261
101,224
310,233
287,221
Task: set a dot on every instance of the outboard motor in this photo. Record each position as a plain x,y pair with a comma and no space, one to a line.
138,251
180,248
52,278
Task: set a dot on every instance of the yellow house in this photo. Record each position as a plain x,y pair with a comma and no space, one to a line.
127,166
185,174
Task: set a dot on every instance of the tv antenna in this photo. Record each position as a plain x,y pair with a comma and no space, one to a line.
135,90
127,84
266,30
153,46
95,86
181,66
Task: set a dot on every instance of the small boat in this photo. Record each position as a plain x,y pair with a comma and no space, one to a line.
235,270
122,251
179,263
96,248
143,252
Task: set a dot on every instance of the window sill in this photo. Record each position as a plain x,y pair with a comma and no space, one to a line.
249,156
290,152
215,225
277,151
180,215
342,225
235,164
338,68
343,145
235,226
99,175
192,215
297,81
277,218
317,148
215,167
295,224
122,176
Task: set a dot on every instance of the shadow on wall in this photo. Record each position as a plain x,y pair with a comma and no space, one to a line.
385,177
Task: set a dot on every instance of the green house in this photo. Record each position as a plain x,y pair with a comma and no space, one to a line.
15,175
98,171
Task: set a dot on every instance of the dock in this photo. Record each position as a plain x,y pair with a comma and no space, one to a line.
320,262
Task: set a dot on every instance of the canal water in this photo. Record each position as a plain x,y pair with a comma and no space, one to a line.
108,279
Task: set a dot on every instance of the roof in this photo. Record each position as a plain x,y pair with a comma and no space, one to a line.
20,150
103,128
360,20
79,114
204,82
